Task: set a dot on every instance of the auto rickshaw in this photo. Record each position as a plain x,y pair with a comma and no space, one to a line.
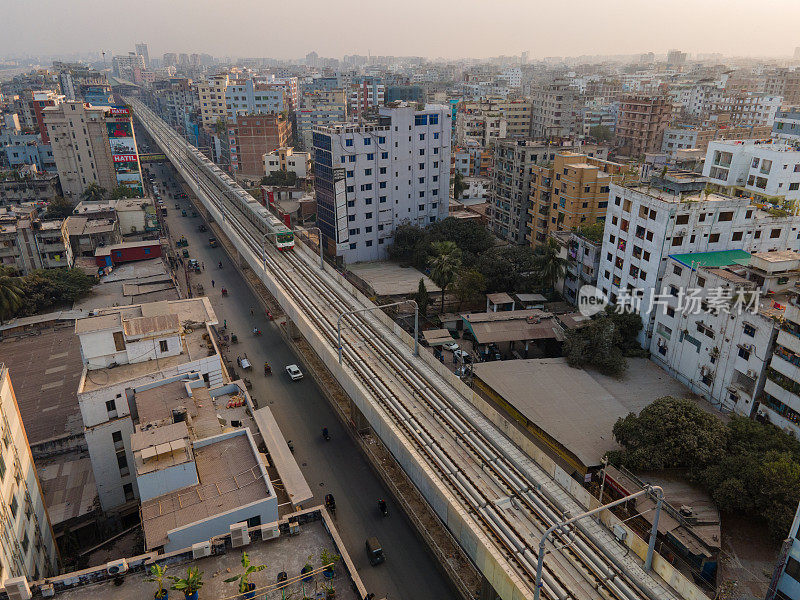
177,206
183,213
374,551
185,253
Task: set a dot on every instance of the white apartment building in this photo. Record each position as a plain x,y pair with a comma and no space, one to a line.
254,96
765,169
212,100
286,159
371,178
787,569
717,350
645,225
27,543
127,348
555,111
780,402
125,65
483,128
513,75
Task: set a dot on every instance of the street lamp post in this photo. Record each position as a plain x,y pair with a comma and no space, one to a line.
352,312
653,532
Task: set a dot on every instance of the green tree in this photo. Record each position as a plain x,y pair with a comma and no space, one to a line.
11,295
669,433
46,289
445,265
408,240
422,298
507,268
458,185
244,577
471,237
604,342
280,178
58,208
593,232
93,193
548,265
123,191
601,133
469,286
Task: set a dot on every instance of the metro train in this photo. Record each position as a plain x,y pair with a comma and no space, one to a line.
262,221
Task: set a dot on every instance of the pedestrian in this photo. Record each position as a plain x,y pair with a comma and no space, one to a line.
212,283
224,323
203,266
251,311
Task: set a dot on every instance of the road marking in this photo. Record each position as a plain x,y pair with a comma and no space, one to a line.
54,384
55,370
59,355
49,408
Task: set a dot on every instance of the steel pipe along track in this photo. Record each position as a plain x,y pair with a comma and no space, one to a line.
505,502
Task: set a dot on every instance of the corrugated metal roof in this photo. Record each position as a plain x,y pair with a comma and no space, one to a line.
141,326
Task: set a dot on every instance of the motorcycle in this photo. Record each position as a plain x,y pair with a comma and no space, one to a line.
383,508
220,264
330,504
325,435
256,331
267,369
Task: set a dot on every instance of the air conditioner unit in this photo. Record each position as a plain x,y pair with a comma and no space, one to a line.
47,590
751,374
17,588
201,549
239,535
117,567
270,531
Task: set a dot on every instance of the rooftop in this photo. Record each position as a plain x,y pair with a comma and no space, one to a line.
231,475
390,279
139,282
721,258
513,325
576,408
68,486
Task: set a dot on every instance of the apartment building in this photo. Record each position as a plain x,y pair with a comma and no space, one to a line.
483,128
253,136
582,262
176,100
784,83
211,93
645,225
515,112
126,64
780,401
751,109
568,193
598,116
41,100
286,159
690,137
787,124
372,177
718,349
641,124
125,349
786,578
364,93
318,108
81,149
511,182
555,111
27,546
763,169
28,244
255,96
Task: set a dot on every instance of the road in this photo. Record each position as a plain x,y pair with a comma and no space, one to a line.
301,411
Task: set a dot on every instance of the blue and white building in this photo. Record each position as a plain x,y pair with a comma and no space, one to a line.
787,124
786,580
372,177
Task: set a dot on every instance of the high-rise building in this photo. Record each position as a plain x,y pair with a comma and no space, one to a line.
641,124
93,144
319,107
786,578
27,546
784,83
255,96
364,93
555,111
141,50
253,136
126,64
170,59
41,100
676,58
645,225
569,193
372,177
211,94
511,182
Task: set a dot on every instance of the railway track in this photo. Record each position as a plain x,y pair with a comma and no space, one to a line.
501,499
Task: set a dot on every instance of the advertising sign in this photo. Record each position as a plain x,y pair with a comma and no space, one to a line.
123,148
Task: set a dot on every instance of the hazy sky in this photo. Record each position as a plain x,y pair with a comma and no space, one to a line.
448,28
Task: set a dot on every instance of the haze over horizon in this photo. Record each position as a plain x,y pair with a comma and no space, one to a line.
467,28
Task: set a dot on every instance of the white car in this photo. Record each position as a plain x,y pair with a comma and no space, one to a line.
452,346
294,372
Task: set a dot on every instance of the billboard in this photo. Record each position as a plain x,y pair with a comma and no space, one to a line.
119,127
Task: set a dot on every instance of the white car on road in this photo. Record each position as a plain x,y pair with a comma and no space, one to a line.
294,372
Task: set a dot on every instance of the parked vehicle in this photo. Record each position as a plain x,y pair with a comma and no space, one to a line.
212,242
452,346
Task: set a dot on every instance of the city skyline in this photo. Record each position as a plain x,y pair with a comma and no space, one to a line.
440,31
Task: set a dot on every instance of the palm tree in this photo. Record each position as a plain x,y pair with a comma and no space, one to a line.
548,265
93,193
445,265
11,295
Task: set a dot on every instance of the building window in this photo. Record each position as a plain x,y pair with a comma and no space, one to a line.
116,437
163,345
14,504
713,238
749,330
127,489
367,141
122,463
111,408
743,353
775,233
348,142
737,236
381,140
792,569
